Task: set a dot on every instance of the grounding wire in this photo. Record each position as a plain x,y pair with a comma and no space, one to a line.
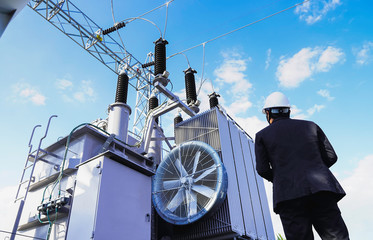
237,29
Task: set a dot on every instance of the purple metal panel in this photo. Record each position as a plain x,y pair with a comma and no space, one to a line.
83,209
233,190
124,204
243,185
263,198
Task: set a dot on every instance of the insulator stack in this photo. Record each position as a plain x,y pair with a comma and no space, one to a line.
178,119
213,99
145,65
122,88
160,56
153,103
190,85
112,29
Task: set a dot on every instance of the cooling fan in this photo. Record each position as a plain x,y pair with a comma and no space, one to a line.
189,183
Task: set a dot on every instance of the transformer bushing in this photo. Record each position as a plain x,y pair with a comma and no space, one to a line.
160,56
190,85
153,103
119,111
213,99
122,88
178,119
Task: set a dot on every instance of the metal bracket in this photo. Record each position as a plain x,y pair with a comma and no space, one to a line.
107,143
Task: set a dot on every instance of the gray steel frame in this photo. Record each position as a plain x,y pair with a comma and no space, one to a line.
71,21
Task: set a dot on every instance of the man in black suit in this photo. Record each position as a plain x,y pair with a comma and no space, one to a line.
295,155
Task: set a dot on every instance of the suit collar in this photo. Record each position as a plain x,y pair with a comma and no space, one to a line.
279,119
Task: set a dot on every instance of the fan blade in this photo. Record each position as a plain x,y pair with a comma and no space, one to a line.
180,167
196,158
205,173
171,184
192,199
176,201
204,190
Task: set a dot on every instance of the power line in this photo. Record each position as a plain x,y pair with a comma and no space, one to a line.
235,30
126,21
165,4
165,25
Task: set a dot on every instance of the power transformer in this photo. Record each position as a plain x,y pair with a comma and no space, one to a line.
207,187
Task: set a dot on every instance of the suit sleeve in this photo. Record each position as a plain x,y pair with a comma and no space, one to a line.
263,166
328,154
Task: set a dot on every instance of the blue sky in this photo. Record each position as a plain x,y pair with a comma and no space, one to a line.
319,54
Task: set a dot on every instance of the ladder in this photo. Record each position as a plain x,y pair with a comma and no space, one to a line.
26,180
31,162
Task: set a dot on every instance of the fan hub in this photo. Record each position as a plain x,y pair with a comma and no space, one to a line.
183,180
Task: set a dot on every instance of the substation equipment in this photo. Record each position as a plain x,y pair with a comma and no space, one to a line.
103,182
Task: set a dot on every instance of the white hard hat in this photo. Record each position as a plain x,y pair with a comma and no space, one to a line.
276,100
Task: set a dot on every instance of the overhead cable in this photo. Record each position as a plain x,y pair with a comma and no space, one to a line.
159,30
235,30
165,25
116,28
165,4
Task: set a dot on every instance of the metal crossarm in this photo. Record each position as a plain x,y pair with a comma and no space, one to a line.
70,20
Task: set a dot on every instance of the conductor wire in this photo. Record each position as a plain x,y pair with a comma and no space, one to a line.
235,30
151,11
165,25
116,29
128,20
203,70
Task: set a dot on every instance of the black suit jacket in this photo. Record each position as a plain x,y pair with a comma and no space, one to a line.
296,155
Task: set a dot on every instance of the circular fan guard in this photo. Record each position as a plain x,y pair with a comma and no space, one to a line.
190,182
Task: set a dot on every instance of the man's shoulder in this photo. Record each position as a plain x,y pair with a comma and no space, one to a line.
288,121
298,121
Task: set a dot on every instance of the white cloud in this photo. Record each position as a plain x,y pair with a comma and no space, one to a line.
313,11
357,206
315,108
364,55
251,125
84,92
63,84
268,60
232,71
329,57
27,93
292,71
297,113
239,106
326,94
